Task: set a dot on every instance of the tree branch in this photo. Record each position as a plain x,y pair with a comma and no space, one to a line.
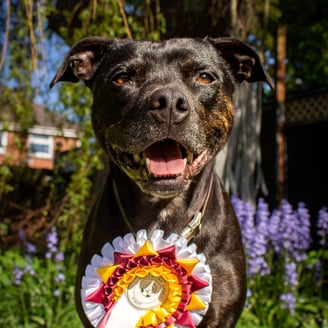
125,20
6,37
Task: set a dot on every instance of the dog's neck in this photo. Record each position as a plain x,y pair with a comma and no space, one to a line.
143,211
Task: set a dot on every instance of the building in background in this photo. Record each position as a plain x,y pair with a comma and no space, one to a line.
36,147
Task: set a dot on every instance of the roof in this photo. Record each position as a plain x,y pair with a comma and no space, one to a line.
44,117
39,116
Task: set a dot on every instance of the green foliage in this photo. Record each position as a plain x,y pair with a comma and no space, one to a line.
32,302
5,174
307,47
265,309
23,79
74,102
38,300
287,284
108,18
37,289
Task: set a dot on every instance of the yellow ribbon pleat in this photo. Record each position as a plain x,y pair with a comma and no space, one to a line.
195,303
188,264
146,249
106,272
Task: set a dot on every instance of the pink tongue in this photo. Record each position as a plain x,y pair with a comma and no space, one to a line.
165,159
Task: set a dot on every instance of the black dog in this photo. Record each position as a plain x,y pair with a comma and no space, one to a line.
161,112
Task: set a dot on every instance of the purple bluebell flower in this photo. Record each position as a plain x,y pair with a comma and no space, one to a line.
257,238
287,227
287,234
21,235
293,233
322,225
18,273
289,302
56,292
30,248
274,230
248,296
28,269
258,265
261,242
304,231
59,257
254,233
245,215
60,277
238,206
291,274
52,243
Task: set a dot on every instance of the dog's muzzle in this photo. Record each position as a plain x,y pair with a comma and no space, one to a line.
164,168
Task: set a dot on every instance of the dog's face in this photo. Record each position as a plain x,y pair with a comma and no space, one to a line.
162,110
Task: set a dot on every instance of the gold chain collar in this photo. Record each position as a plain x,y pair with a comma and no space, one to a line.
194,224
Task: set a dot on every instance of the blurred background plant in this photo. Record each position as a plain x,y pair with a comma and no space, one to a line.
38,285
287,284
42,215
287,277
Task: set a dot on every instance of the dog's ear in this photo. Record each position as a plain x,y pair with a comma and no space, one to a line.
244,61
82,60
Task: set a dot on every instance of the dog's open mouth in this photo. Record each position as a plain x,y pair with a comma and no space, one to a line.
166,159
163,160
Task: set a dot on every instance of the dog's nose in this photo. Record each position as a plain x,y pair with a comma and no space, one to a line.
169,105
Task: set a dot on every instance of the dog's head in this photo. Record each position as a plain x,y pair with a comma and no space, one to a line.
162,110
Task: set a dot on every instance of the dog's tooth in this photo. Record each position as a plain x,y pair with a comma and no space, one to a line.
190,157
136,158
148,164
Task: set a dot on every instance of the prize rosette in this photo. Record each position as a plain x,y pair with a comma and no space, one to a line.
141,282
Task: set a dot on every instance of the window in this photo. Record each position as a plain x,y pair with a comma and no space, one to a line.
3,141
40,145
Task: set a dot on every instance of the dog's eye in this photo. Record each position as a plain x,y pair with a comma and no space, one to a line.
121,79
205,78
